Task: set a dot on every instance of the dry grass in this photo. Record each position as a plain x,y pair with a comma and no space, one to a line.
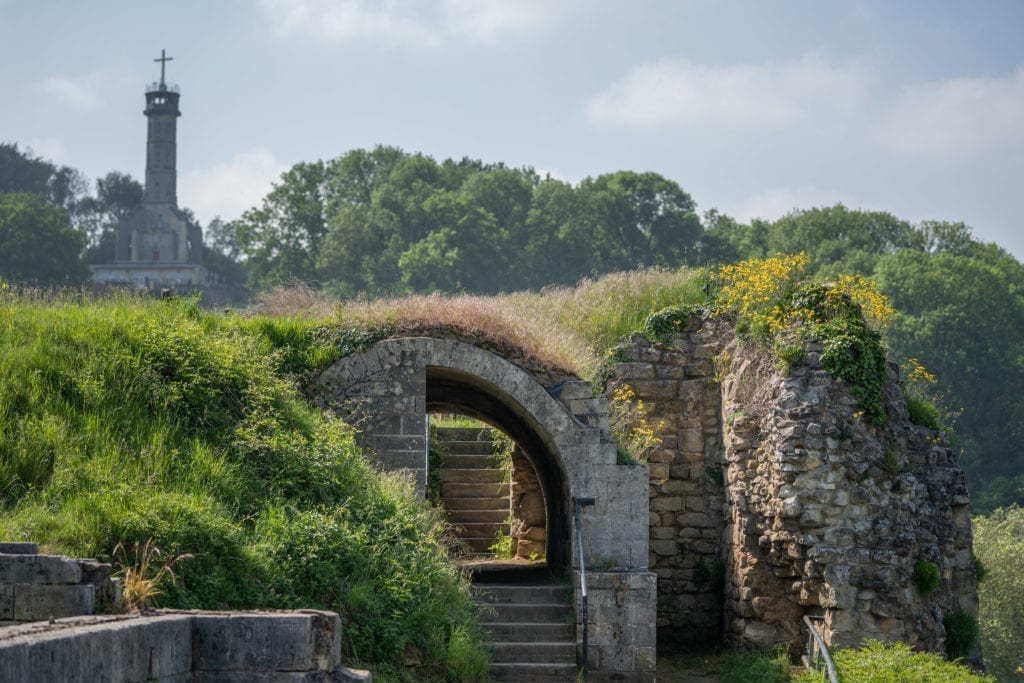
563,330
294,299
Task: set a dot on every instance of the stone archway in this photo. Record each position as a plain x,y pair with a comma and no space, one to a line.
563,430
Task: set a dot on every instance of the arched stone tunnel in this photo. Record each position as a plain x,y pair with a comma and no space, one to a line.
563,431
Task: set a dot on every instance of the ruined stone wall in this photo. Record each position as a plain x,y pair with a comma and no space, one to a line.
527,512
772,498
36,587
675,381
829,514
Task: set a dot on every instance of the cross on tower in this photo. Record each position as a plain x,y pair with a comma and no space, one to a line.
163,59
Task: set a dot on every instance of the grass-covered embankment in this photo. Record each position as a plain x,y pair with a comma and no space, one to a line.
129,420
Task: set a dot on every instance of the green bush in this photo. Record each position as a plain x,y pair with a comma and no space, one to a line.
926,577
893,663
923,412
961,633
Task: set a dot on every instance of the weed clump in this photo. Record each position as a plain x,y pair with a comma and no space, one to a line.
926,577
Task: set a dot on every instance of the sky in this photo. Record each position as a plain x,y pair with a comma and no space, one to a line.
754,108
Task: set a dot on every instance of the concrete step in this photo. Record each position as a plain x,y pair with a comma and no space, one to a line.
536,613
472,476
488,593
534,672
470,461
494,516
478,546
465,433
528,631
459,504
451,490
469,448
481,529
561,652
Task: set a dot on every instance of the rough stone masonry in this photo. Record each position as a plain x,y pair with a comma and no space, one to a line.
772,498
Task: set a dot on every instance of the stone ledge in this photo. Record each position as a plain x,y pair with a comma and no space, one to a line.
23,568
185,646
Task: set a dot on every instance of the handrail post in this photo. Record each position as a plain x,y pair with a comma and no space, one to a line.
817,651
577,503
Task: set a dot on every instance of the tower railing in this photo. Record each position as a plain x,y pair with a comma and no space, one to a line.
167,87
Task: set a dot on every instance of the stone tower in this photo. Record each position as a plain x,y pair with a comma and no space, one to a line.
158,246
161,140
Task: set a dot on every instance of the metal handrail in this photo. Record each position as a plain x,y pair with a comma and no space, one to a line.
818,657
577,503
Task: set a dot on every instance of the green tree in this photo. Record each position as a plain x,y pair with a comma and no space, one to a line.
118,195
963,318
37,243
553,254
281,238
999,544
633,220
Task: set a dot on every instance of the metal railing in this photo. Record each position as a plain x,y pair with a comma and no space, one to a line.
577,503
818,657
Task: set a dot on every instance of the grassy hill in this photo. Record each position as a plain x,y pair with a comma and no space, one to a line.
127,420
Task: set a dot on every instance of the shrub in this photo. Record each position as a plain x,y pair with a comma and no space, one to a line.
893,663
669,321
926,577
632,430
961,633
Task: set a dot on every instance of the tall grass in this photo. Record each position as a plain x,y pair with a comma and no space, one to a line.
130,421
566,329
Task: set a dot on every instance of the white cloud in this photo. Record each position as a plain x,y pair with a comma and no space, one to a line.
229,188
956,118
81,93
680,93
485,20
407,23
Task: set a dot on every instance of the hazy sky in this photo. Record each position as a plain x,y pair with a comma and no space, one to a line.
754,108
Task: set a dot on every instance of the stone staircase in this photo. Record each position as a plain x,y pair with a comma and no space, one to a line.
474,488
530,629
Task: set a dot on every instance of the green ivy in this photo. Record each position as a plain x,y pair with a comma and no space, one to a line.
669,321
857,358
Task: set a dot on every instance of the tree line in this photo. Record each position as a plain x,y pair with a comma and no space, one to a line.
384,221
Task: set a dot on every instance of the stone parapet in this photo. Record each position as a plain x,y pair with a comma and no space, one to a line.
179,646
621,631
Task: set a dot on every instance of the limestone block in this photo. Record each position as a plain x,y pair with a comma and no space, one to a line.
692,441
38,569
38,602
572,389
531,509
255,642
